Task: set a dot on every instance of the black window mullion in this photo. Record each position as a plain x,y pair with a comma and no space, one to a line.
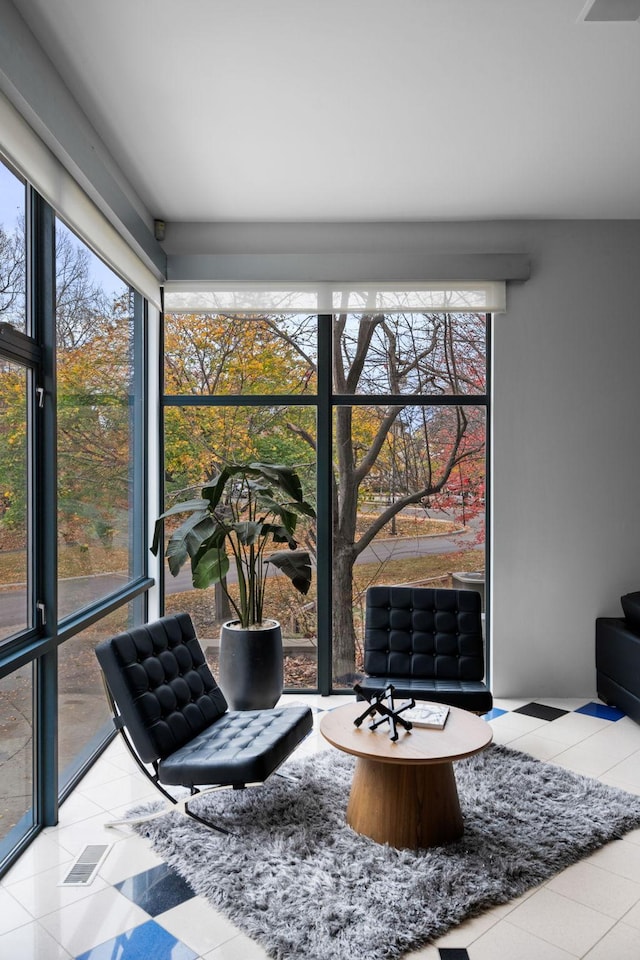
487,500
410,400
240,400
324,501
139,465
44,514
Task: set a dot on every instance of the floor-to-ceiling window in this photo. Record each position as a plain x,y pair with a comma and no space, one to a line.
409,466
72,499
242,389
380,400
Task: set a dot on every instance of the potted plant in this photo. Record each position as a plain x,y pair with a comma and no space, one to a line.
240,514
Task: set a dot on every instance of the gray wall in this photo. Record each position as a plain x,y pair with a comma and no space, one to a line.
566,455
566,408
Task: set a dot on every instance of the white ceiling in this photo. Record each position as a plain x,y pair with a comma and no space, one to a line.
314,110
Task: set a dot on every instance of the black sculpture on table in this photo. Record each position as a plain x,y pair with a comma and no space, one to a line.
381,701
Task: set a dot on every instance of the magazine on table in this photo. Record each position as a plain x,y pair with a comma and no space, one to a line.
432,715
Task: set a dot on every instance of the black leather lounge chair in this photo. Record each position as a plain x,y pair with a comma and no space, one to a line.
428,644
173,716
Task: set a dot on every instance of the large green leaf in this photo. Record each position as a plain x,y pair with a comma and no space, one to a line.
198,505
289,517
279,534
211,567
248,531
286,477
187,540
259,489
295,564
213,490
303,507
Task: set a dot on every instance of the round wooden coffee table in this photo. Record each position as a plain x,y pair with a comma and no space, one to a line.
405,793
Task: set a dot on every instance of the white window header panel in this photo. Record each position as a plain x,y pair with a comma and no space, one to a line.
459,297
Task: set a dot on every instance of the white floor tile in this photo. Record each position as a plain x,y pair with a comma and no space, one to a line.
240,948
633,836
44,852
510,726
465,934
632,918
93,920
563,703
574,727
504,941
628,771
537,745
426,953
621,943
78,807
619,857
42,894
560,921
613,782
122,790
74,837
584,759
128,858
12,913
622,738
197,924
596,888
511,703
101,773
31,942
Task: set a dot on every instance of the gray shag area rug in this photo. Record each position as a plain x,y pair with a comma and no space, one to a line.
299,881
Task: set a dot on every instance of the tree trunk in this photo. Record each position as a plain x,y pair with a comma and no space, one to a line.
344,635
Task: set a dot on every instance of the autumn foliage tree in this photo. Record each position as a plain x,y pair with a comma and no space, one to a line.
415,450
220,356
94,332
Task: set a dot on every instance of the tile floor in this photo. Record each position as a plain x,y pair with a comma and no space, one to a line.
136,909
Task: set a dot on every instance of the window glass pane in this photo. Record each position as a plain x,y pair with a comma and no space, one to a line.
409,508
410,354
16,757
96,390
211,355
15,613
12,250
198,440
84,718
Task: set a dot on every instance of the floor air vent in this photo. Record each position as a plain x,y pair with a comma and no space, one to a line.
84,869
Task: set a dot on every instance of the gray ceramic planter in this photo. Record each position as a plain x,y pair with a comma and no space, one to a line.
251,665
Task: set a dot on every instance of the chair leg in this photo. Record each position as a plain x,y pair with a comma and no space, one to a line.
207,823
287,776
179,806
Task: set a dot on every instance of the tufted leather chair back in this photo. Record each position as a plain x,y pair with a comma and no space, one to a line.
425,634
165,692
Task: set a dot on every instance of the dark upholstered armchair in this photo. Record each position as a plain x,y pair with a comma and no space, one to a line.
165,698
428,644
618,657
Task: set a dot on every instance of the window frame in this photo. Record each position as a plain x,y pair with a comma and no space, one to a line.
325,400
38,643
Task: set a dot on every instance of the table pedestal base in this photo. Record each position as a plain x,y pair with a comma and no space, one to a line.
406,806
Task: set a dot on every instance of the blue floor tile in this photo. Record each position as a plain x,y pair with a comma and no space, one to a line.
147,941
601,710
493,713
156,890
